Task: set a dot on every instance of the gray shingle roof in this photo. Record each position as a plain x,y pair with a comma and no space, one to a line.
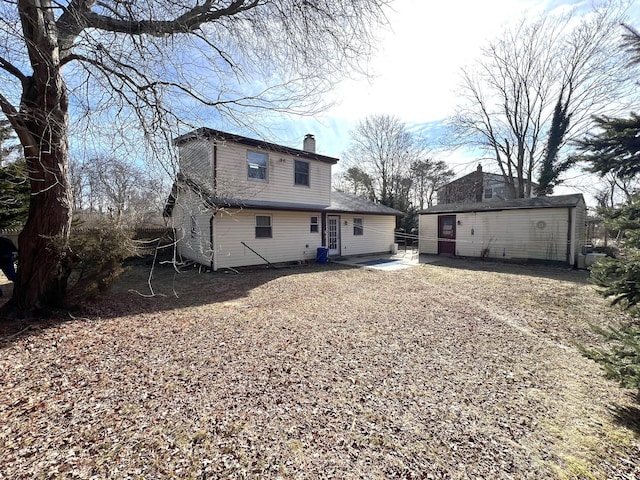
264,204
558,201
251,142
350,203
340,203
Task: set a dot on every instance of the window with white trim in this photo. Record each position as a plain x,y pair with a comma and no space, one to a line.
263,226
488,192
257,163
301,173
358,226
314,225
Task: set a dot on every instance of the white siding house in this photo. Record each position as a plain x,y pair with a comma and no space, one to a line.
238,201
543,228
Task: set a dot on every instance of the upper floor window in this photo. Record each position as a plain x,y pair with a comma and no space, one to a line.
488,192
257,165
357,226
314,225
263,226
301,172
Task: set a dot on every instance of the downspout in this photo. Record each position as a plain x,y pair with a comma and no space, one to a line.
215,168
212,263
324,229
569,237
213,214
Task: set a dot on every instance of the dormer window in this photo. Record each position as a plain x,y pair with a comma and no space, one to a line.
301,173
257,163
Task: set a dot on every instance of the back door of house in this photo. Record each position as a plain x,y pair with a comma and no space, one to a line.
333,234
447,234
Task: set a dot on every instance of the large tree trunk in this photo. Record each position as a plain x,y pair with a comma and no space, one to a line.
40,279
43,129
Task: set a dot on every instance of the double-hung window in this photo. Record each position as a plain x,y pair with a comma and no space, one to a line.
257,163
357,226
301,173
314,227
263,226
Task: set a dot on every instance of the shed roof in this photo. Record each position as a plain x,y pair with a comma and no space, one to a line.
210,133
558,201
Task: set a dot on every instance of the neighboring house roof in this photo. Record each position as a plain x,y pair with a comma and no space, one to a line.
498,177
558,201
251,142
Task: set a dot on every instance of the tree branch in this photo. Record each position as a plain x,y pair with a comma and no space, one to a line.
12,69
26,138
187,22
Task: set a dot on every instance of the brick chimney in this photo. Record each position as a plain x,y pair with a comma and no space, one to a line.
479,183
309,144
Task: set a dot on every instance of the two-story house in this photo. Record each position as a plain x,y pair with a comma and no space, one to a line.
239,201
477,187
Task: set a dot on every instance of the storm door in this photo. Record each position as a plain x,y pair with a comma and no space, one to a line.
333,234
447,234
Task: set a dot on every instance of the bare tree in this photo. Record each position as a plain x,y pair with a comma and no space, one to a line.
147,63
123,190
383,149
617,190
536,88
428,175
357,181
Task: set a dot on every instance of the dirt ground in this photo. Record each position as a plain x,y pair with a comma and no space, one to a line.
455,369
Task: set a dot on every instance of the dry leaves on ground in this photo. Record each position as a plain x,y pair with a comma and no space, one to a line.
462,370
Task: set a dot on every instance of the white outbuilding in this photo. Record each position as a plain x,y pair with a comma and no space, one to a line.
550,229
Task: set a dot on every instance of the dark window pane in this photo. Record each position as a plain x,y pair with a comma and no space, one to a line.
257,165
301,173
263,226
357,226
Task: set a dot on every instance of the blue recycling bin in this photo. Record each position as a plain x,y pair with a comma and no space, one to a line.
322,255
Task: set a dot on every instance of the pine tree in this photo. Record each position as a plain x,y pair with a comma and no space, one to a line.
8,145
14,181
14,194
551,167
616,149
619,281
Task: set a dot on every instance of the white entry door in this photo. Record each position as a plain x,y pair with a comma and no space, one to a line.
333,234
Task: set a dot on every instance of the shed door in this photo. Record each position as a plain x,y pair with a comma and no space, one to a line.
447,234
